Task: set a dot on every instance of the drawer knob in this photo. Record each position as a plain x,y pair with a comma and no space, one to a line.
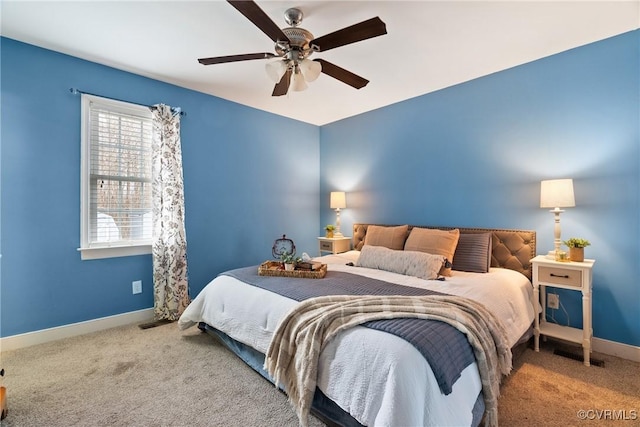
565,276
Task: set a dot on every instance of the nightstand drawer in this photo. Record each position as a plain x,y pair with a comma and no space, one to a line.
335,245
560,276
326,246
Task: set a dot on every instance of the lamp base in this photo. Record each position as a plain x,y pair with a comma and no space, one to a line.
337,234
551,254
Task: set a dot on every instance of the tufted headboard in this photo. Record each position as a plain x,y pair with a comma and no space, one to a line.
512,249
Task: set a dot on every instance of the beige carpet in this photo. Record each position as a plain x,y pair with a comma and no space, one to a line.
549,390
163,377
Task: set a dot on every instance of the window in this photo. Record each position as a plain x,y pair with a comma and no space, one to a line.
116,178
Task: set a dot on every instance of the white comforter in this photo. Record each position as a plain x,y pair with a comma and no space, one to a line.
391,384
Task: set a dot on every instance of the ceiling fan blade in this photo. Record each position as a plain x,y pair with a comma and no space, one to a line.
282,87
235,58
260,19
373,27
343,75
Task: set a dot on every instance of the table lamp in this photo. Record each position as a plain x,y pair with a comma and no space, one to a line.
338,201
556,194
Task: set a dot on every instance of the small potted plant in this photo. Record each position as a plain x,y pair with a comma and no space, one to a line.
329,229
289,260
576,248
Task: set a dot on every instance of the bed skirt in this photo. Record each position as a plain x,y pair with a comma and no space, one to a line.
322,407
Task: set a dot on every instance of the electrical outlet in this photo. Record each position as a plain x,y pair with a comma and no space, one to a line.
553,301
136,287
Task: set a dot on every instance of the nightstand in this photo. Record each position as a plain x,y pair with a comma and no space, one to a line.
576,276
335,245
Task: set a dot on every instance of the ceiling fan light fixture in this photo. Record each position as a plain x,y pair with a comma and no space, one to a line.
276,69
310,69
297,81
292,70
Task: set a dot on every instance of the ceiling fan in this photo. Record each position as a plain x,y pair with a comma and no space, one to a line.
293,46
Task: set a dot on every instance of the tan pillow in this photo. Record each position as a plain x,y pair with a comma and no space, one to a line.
438,242
389,237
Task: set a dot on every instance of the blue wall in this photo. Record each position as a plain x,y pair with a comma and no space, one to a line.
245,186
469,155
474,155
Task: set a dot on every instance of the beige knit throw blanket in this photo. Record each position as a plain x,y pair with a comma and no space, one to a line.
292,357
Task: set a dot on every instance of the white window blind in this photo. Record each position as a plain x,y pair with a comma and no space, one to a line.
116,174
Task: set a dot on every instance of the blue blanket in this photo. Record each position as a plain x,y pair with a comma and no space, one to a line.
445,348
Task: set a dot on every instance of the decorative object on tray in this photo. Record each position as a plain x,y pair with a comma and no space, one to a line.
282,245
289,260
329,229
309,265
275,268
576,247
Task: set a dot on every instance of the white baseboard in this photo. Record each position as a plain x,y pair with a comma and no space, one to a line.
613,348
28,339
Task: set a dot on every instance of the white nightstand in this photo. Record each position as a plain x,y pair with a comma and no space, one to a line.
575,276
335,245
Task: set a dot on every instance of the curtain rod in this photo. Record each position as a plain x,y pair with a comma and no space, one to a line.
176,110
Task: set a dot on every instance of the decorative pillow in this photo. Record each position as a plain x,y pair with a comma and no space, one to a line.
389,237
473,253
410,263
437,242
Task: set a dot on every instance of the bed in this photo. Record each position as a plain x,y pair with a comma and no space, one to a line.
368,375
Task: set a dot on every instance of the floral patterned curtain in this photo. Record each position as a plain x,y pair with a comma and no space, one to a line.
171,291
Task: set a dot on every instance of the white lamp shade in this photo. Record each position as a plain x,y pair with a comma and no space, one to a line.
297,81
338,200
557,193
310,69
276,69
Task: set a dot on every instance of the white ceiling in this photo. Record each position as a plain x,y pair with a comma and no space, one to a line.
430,44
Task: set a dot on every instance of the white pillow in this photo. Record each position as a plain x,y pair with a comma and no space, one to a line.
410,263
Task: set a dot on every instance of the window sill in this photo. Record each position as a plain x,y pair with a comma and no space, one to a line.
113,251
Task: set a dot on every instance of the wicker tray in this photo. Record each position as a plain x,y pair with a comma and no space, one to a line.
274,268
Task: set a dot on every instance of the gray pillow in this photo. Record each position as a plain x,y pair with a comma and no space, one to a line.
410,263
473,253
